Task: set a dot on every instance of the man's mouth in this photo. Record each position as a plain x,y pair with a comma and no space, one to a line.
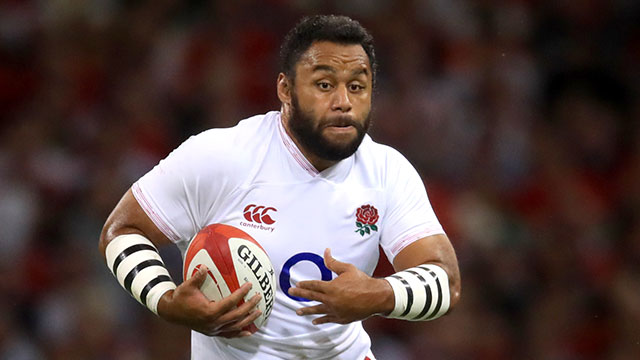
341,127
342,123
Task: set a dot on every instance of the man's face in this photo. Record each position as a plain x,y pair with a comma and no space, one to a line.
331,100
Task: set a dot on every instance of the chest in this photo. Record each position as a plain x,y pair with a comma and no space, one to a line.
299,221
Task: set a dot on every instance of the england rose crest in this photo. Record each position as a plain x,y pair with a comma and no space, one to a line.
366,219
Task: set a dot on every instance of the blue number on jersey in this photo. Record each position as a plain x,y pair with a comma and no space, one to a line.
285,276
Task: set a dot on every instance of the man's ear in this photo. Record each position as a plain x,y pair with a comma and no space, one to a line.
284,89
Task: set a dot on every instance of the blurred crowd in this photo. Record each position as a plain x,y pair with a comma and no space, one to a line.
522,117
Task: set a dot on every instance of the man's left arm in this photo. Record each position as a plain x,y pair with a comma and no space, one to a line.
424,268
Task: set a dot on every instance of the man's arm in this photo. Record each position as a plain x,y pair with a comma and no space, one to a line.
186,305
435,249
427,284
354,295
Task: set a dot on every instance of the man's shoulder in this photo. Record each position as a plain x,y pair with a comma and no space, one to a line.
375,153
232,150
245,132
379,164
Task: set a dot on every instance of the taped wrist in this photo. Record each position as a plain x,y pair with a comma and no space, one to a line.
421,293
137,265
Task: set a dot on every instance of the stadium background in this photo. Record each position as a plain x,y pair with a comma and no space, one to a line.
522,117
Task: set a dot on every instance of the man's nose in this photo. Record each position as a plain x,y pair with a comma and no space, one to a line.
341,101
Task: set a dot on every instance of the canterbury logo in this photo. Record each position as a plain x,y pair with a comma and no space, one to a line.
259,214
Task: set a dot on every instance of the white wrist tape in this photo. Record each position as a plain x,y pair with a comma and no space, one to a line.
421,293
137,265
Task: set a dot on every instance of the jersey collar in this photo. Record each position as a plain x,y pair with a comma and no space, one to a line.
334,172
294,151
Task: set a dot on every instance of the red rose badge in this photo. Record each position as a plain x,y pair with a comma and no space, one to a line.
366,219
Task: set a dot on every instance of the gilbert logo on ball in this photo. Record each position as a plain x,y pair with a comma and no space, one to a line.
233,258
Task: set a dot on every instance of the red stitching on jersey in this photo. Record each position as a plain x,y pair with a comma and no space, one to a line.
146,205
404,242
295,152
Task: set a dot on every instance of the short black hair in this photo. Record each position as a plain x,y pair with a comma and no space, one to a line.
333,28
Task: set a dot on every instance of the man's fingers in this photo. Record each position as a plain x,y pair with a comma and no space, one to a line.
233,315
334,265
198,278
241,324
327,319
307,294
241,292
313,285
313,310
234,327
250,304
232,300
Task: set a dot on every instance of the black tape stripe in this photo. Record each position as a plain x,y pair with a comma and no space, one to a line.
427,269
439,287
128,251
150,285
439,303
427,289
132,274
409,294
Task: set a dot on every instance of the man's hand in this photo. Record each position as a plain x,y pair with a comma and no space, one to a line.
187,305
352,296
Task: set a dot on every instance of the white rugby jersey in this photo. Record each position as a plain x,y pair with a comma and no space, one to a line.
252,176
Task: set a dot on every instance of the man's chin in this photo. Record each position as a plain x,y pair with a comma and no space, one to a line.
338,149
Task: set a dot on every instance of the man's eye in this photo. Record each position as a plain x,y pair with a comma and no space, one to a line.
356,87
324,85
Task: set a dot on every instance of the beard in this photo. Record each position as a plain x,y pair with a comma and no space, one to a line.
308,132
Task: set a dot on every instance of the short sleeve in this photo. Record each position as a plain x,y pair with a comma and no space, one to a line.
179,192
409,214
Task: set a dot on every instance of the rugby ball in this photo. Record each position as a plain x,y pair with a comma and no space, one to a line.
233,258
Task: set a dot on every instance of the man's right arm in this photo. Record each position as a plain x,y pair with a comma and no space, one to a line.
186,304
